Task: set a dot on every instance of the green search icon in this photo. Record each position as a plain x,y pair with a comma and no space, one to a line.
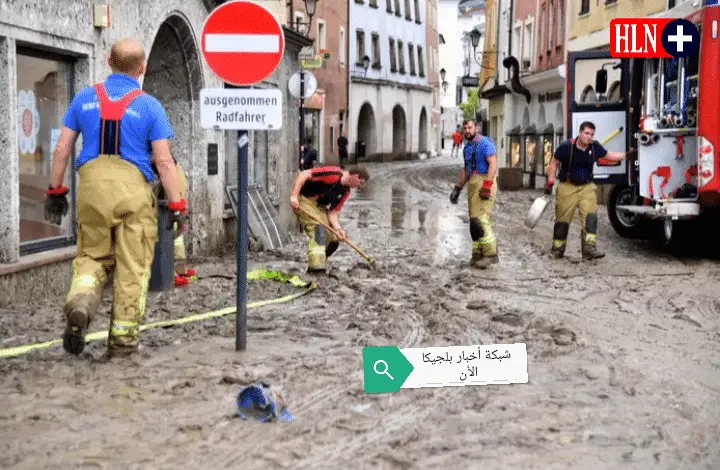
385,369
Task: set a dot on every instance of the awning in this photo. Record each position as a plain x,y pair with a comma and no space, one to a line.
515,131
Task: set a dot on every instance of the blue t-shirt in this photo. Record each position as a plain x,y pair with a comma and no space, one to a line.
583,161
485,149
144,121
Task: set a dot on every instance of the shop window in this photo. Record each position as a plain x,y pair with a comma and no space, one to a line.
546,142
514,156
44,91
530,142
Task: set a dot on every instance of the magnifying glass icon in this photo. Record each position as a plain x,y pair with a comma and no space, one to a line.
383,372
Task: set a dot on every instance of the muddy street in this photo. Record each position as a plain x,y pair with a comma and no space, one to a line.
623,355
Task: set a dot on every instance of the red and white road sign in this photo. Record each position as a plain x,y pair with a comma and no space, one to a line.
242,42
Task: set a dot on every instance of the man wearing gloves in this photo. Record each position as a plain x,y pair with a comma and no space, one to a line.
479,171
124,131
576,159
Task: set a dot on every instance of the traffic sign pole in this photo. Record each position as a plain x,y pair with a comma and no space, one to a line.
302,115
242,53
242,241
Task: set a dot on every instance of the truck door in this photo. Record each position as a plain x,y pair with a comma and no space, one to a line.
598,87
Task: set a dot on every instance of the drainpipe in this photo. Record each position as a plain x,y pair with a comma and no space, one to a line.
347,80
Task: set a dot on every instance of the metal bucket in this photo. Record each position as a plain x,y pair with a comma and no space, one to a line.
536,211
162,273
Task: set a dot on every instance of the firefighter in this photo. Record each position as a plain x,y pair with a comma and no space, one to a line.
480,172
320,194
457,141
576,158
183,273
116,213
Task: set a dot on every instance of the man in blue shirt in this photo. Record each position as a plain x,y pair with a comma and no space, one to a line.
480,171
576,159
125,132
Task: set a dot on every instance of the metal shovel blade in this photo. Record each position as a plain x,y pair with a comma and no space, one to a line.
536,211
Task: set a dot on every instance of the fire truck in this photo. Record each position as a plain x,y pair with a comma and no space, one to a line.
669,111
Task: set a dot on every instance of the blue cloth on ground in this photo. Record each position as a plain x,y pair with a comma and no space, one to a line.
266,406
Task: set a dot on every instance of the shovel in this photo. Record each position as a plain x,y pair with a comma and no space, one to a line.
540,204
350,243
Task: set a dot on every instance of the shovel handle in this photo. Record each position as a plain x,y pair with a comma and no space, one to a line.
334,232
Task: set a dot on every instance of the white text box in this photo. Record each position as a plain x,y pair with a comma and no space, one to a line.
458,366
241,108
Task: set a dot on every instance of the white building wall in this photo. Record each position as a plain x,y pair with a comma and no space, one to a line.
387,25
387,89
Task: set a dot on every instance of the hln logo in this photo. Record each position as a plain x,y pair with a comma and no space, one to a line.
652,38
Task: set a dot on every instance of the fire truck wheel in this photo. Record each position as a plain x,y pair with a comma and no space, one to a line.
676,236
626,224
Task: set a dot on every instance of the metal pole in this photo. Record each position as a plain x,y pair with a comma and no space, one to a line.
242,242
302,113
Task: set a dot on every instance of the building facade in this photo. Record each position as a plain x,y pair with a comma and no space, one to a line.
452,60
433,50
390,95
48,53
326,110
494,78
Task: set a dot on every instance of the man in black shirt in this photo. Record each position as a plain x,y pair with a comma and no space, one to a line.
309,155
342,143
576,158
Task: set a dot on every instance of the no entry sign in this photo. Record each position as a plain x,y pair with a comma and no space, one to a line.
242,42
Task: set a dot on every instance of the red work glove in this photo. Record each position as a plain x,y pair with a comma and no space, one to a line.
56,204
548,187
486,188
179,210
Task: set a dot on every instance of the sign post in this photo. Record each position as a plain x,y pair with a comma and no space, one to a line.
242,53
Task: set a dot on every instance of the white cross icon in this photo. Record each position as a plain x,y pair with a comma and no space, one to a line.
679,38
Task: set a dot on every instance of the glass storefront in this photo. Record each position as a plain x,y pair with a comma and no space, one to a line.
514,159
547,140
530,142
44,91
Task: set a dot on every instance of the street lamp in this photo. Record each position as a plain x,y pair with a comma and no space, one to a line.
310,6
475,36
366,64
445,87
442,74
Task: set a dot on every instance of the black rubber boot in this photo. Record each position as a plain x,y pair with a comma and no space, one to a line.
74,336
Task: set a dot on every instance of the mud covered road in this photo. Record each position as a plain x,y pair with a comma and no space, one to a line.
624,362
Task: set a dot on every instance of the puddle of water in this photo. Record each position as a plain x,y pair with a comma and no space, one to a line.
450,236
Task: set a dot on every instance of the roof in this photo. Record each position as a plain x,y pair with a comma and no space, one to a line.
465,6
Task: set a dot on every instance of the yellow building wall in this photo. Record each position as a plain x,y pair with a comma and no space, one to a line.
489,61
599,16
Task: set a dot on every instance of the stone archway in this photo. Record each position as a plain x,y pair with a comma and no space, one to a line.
366,128
541,121
399,130
174,77
613,94
588,95
422,131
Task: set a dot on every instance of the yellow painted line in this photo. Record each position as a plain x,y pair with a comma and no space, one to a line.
255,275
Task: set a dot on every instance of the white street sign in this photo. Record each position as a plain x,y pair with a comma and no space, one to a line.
310,84
241,108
